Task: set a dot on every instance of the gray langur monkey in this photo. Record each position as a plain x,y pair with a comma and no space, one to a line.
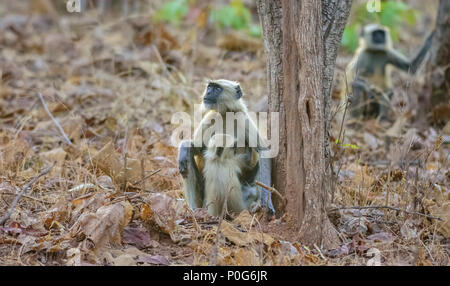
221,96
369,72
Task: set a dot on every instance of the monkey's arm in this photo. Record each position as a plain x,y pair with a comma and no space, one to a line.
192,178
249,165
398,60
190,164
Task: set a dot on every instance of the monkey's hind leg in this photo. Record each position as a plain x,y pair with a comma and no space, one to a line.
214,202
384,104
193,181
358,100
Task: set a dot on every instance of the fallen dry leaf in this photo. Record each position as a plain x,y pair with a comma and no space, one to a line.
240,238
138,237
245,219
103,227
164,211
109,161
154,260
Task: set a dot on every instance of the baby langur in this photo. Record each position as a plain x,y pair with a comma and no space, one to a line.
369,72
221,173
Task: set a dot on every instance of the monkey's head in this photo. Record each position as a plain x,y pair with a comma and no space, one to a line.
376,37
221,146
222,96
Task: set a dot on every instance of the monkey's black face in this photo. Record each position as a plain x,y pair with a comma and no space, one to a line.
212,94
379,37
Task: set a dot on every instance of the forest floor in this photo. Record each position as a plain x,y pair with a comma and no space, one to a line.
113,194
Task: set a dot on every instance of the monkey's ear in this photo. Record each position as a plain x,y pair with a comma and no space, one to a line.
238,92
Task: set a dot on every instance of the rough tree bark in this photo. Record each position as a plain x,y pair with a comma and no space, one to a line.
301,40
439,63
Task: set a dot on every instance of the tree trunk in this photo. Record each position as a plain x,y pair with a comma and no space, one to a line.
301,39
270,17
439,63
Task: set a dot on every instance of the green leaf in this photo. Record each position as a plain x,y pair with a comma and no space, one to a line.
234,16
173,11
350,38
255,30
352,146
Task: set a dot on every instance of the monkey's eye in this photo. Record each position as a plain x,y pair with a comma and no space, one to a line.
214,87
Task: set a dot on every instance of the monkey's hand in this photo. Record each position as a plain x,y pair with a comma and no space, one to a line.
185,156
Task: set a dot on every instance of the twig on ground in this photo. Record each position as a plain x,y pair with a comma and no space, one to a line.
197,227
161,61
61,130
25,190
28,197
142,171
125,153
272,190
386,207
148,176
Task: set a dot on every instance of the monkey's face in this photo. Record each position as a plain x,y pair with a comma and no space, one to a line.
221,95
376,37
379,37
212,95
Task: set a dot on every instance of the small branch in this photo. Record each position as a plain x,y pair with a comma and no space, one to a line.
389,208
125,151
345,110
28,197
197,227
146,177
161,61
272,190
25,190
143,172
61,130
